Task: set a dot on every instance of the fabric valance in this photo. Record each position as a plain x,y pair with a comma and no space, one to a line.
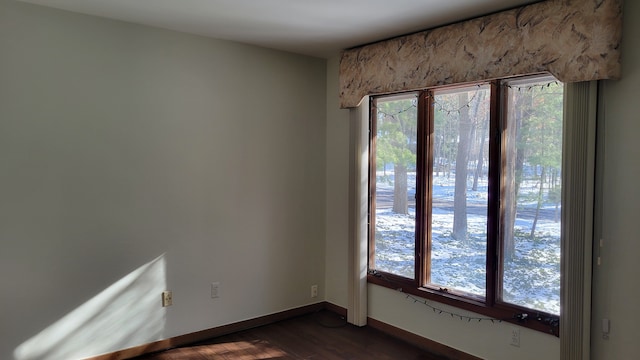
575,40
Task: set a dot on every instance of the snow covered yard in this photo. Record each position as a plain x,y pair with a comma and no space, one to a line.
531,277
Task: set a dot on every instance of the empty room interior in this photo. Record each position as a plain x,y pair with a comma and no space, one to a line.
151,155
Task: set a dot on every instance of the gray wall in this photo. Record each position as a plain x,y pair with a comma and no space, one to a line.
120,143
337,216
616,287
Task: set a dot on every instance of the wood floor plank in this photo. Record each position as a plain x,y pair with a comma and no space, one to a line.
321,335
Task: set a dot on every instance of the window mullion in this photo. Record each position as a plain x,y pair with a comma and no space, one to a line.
494,208
372,184
423,186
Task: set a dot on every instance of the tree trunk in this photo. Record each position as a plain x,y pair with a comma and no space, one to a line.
400,199
462,160
480,163
510,194
515,164
436,156
539,205
555,194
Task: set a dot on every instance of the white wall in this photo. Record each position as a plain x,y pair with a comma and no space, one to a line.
485,339
616,287
120,143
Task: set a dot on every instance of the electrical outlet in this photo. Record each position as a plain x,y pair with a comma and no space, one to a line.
314,291
167,298
215,290
515,336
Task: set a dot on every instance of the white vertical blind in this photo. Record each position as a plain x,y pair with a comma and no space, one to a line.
358,208
578,165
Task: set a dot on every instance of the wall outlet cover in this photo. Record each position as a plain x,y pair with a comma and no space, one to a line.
167,298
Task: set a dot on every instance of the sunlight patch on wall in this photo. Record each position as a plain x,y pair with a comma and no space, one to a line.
126,314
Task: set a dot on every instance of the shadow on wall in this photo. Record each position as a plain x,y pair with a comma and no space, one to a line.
126,314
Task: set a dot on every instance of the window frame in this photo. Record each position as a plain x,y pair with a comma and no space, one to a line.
490,305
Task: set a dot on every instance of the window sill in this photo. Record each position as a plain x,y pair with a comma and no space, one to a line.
546,323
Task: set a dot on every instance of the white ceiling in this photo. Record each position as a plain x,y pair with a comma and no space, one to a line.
311,27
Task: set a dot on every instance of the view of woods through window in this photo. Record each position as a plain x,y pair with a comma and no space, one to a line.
459,191
532,195
458,183
396,142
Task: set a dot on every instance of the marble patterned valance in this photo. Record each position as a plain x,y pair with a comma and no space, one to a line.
575,40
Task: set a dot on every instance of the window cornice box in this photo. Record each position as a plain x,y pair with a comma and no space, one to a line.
575,40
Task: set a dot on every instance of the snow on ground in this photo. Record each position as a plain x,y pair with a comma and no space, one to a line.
532,277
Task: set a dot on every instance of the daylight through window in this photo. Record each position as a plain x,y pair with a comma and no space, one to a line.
465,189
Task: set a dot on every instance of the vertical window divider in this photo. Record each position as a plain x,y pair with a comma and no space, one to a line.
496,161
373,111
423,200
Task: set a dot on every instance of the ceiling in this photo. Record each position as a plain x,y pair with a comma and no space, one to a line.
312,27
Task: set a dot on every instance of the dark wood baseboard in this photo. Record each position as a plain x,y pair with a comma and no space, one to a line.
199,336
210,333
335,309
421,342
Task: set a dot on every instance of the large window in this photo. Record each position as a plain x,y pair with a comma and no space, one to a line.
465,189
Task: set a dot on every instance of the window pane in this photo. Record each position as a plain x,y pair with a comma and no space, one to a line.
396,185
532,188
459,189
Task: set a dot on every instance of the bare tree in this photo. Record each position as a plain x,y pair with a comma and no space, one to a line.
519,107
460,231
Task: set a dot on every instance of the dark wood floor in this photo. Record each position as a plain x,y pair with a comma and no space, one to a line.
321,335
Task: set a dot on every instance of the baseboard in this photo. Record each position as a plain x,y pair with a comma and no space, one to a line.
183,340
419,341
210,333
335,309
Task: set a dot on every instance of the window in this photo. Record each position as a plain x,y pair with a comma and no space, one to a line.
465,185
